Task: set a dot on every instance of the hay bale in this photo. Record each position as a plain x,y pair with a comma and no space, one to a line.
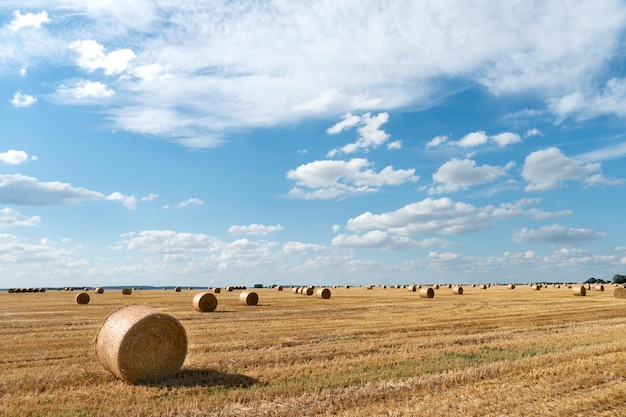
427,293
308,291
99,290
457,290
82,298
294,290
598,287
413,288
178,289
138,343
323,293
619,292
279,288
579,290
127,291
249,298
204,302
217,290
369,287
537,287
511,286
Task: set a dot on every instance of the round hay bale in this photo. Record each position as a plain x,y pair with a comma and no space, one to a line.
294,290
249,298
99,290
537,287
511,286
178,289
369,287
413,288
127,291
138,343
619,292
279,288
323,293
427,293
579,290
457,290
82,298
308,291
217,290
598,287
204,302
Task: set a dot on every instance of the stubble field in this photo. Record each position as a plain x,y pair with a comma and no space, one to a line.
378,352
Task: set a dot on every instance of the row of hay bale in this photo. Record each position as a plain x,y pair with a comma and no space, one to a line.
322,293
25,290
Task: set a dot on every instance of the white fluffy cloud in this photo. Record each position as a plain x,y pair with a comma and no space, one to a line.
11,218
548,169
370,134
91,57
334,179
14,157
29,191
23,100
254,229
559,234
28,20
84,89
457,174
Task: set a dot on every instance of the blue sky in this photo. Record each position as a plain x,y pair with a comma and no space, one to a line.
161,142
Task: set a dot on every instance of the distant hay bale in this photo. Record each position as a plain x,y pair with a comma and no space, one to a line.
484,286
619,292
412,288
436,287
295,290
279,288
138,343
457,290
537,287
579,290
249,298
308,291
204,302
511,286
178,289
323,293
99,290
427,293
82,298
11,290
217,290
369,287
598,287
127,291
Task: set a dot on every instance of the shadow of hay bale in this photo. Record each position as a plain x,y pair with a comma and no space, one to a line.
204,378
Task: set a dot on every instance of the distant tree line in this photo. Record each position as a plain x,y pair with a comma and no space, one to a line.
617,279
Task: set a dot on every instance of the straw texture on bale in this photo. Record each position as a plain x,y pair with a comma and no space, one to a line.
249,298
99,290
138,343
323,293
82,298
457,290
579,290
127,291
308,291
598,287
204,302
427,293
619,292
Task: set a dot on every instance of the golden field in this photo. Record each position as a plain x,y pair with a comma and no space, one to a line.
379,352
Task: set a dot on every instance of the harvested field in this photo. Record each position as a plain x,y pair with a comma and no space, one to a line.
491,352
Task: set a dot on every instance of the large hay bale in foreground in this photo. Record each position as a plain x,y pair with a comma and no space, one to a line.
82,298
579,290
619,292
457,290
427,293
138,343
249,298
323,293
204,302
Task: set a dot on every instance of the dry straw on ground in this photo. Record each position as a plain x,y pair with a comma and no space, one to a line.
82,298
204,302
138,343
579,290
619,292
249,298
323,293
427,293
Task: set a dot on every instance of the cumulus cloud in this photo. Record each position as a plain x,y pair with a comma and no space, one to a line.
457,174
558,234
28,20
84,89
168,242
254,229
29,191
302,248
378,239
548,169
127,201
12,218
23,100
370,134
582,105
478,138
91,57
437,141
14,157
330,179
